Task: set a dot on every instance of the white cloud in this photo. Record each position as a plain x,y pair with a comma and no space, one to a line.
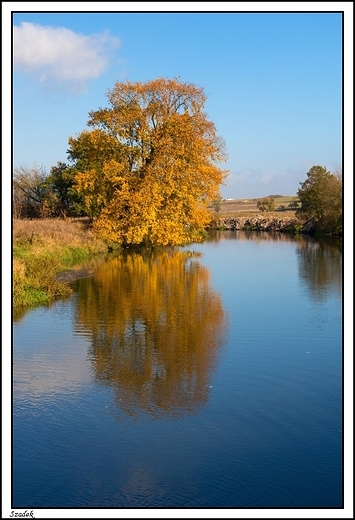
61,55
266,178
234,178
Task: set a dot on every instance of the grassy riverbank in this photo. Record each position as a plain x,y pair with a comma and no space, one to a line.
42,249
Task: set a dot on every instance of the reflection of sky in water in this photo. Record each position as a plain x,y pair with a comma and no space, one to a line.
49,358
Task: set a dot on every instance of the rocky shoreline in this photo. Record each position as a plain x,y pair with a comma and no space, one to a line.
262,223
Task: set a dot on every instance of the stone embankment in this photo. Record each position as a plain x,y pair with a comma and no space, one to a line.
262,223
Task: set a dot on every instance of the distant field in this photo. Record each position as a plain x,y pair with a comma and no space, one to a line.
250,205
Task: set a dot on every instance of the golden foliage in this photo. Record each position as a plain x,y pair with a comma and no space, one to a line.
162,172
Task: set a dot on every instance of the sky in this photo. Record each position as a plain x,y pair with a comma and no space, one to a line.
273,81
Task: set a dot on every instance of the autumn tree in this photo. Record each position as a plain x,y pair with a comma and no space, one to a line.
266,204
149,168
90,153
321,199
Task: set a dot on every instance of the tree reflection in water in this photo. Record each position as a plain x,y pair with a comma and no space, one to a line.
155,326
320,267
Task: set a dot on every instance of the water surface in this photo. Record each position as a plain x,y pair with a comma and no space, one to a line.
204,376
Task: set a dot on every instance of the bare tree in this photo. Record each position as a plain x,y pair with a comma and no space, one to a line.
29,191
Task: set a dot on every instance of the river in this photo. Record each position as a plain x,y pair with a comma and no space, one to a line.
192,377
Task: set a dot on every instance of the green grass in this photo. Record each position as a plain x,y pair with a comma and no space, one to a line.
41,250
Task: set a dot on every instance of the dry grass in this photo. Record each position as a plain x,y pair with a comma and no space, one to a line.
53,232
43,248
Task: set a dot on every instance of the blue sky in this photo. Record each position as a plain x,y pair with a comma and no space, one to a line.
273,83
